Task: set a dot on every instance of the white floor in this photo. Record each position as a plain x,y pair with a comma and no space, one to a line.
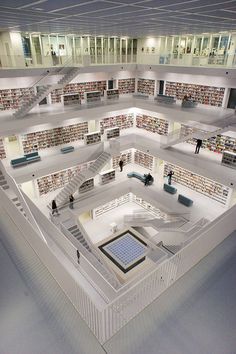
197,315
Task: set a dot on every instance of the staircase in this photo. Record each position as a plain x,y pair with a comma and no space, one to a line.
146,219
183,134
74,230
44,91
78,180
14,199
93,257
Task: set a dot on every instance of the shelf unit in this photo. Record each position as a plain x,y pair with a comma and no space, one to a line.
229,159
111,205
92,138
152,124
14,98
126,157
92,96
69,99
209,95
87,186
143,159
112,94
112,133
218,143
58,136
203,185
146,86
123,121
2,150
57,180
78,88
126,86
107,176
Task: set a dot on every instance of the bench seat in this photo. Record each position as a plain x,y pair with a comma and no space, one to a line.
170,189
138,176
67,149
19,161
184,200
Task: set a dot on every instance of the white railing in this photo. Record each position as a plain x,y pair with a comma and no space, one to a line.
12,184
130,303
67,281
167,59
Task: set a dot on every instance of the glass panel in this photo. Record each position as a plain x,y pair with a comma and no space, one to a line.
197,49
224,43
26,46
45,45
62,49
78,49
189,45
112,49
135,42
92,49
99,50
205,48
105,49
176,47
129,49
37,49
85,45
123,50
54,49
118,50
169,44
215,43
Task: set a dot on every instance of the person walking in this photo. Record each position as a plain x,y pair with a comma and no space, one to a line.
54,207
71,199
121,164
170,174
198,146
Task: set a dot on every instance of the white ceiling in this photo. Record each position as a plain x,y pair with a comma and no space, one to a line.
133,18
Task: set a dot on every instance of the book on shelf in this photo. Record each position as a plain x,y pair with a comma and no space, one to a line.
87,186
112,133
143,159
92,96
146,86
229,159
71,98
2,150
111,94
203,94
203,185
107,176
126,157
126,86
123,121
92,138
152,124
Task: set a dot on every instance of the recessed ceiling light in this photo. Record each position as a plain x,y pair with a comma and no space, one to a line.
37,8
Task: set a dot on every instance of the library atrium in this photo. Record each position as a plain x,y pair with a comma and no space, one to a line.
118,158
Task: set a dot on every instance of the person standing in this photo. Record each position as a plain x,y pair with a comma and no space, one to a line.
71,199
54,207
170,174
198,145
78,256
121,164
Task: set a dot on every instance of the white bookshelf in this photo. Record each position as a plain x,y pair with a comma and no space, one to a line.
203,185
87,186
2,150
152,124
126,157
111,205
143,159
92,138
92,96
111,133
112,94
70,98
229,159
123,121
107,176
146,86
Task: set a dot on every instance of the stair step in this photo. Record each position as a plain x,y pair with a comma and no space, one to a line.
5,187
72,227
2,183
